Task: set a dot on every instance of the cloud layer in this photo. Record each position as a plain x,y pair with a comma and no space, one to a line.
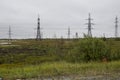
56,16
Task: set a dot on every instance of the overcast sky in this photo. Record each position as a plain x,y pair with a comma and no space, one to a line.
56,16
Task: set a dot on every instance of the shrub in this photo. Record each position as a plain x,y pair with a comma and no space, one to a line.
89,49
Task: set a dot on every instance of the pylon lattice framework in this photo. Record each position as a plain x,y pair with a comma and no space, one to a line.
9,33
38,37
68,32
116,27
89,26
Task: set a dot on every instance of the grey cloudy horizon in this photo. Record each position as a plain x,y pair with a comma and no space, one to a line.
56,16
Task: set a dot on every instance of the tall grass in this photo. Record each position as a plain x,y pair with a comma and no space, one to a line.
59,57
12,71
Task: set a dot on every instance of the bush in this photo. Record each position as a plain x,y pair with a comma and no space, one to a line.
89,49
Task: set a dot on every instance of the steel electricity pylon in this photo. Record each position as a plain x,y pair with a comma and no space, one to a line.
116,27
9,34
89,25
69,33
38,36
76,35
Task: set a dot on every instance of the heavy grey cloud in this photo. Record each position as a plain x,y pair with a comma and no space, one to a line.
56,16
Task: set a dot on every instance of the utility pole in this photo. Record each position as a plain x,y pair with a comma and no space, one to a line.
89,25
68,32
116,27
38,37
9,35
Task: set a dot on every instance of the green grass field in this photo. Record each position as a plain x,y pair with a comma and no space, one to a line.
15,71
34,59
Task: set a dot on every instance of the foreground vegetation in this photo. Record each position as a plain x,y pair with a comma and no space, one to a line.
54,57
16,71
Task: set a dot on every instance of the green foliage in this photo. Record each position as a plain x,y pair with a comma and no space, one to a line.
40,59
89,49
81,50
30,58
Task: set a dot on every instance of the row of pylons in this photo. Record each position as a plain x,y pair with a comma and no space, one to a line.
89,24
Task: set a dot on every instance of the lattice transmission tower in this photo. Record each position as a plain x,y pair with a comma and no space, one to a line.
76,35
116,27
38,36
69,32
9,33
90,25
